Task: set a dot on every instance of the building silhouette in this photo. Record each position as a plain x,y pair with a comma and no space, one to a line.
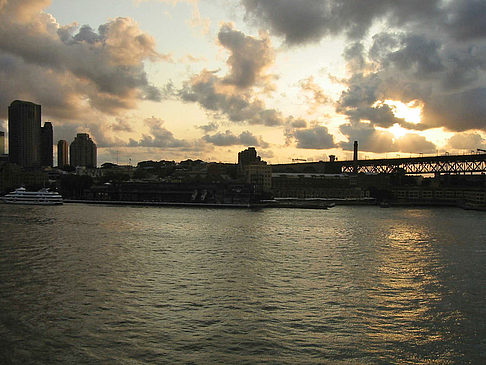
46,145
62,153
255,171
248,157
2,143
82,151
24,133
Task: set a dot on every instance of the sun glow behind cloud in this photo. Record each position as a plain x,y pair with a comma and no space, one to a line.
410,112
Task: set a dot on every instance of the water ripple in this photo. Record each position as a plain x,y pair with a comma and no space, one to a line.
134,285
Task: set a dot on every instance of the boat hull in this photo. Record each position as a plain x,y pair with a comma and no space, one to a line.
9,201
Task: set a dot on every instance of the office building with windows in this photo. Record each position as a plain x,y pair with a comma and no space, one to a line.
24,133
62,153
82,151
46,145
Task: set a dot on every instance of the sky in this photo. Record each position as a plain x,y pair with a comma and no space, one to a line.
204,79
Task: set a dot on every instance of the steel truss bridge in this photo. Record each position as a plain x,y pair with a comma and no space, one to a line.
458,164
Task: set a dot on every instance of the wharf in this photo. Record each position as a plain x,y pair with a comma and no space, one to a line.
164,204
296,204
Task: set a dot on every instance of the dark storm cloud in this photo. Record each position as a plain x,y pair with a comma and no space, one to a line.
417,55
229,139
304,21
358,102
317,137
466,19
459,111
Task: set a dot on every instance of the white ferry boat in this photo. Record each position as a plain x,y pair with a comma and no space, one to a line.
41,197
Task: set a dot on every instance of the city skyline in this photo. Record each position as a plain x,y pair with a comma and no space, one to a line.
153,80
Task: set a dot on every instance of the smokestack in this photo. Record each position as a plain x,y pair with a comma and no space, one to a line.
355,158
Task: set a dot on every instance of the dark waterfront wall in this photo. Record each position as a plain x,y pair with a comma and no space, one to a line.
173,192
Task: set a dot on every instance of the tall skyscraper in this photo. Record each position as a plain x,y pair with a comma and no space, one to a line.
62,153
46,144
24,133
2,143
82,151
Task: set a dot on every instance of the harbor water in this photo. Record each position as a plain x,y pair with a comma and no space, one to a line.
94,284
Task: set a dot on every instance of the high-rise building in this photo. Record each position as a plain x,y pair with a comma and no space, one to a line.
62,153
24,133
2,143
82,151
46,145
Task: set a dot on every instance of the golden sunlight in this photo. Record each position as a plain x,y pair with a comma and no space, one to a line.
397,131
410,112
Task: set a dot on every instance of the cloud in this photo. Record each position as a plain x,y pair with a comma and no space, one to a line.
250,57
467,141
432,51
382,141
459,111
318,95
415,143
211,127
159,137
209,91
447,78
121,125
317,137
306,21
466,20
229,139
234,94
296,123
70,67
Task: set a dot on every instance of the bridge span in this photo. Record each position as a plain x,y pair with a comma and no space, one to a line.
449,164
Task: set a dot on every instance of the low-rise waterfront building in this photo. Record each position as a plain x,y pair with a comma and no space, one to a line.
316,185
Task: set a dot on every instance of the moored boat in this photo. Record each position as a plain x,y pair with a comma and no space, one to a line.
41,197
